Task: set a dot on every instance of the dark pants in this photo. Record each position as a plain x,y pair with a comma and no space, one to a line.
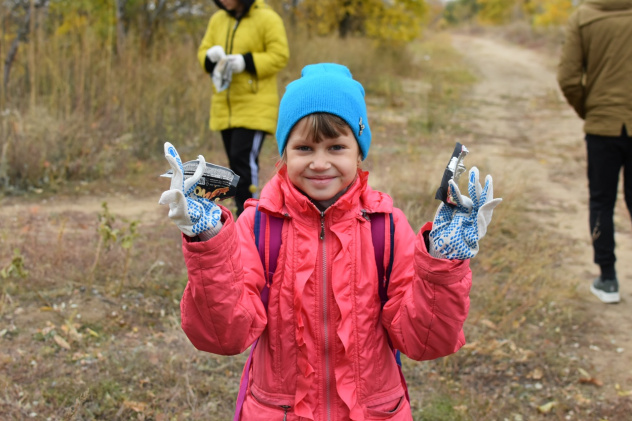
242,147
606,157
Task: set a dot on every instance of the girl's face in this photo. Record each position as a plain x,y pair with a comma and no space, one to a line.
321,169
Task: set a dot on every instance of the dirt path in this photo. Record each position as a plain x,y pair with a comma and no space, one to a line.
531,137
144,209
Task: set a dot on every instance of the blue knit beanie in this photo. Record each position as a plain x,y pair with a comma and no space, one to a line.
325,88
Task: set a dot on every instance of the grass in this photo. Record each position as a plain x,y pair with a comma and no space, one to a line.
86,335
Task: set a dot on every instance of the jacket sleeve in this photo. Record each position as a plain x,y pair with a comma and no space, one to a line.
207,42
276,53
570,70
428,299
221,307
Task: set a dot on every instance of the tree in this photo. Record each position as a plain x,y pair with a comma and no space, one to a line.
399,20
145,17
458,11
21,12
495,12
550,12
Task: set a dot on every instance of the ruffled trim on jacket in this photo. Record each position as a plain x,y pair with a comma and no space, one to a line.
285,196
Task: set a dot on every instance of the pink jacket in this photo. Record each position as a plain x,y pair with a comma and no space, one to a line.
323,352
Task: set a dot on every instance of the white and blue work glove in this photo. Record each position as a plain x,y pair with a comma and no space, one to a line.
456,230
194,215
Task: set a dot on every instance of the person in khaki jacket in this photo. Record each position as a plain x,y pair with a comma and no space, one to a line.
595,75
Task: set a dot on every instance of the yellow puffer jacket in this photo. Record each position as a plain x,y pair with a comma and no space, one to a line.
595,70
251,101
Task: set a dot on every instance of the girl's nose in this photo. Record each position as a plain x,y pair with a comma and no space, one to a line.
320,162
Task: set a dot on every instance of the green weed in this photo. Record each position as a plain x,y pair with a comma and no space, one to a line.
15,268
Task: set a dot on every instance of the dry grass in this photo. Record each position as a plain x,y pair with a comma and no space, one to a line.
93,116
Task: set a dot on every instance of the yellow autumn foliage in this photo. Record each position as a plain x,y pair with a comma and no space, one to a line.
397,20
495,12
551,12
541,13
75,16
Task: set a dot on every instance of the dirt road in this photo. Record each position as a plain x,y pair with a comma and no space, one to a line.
530,137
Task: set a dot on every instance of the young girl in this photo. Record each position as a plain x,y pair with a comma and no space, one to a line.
325,342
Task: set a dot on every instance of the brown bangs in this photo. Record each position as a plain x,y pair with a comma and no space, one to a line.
322,126
326,126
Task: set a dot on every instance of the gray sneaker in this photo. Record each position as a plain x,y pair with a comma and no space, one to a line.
607,290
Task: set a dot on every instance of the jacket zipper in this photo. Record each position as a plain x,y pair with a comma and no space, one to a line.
325,316
230,40
285,408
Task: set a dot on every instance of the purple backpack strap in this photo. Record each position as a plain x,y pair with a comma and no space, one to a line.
378,234
275,225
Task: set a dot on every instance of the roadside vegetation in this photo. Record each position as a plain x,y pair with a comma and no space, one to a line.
89,301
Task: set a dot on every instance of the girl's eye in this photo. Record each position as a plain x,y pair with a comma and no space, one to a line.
303,148
337,147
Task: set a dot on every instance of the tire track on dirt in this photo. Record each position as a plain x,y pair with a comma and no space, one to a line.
529,137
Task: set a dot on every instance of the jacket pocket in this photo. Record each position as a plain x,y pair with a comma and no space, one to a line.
258,408
386,410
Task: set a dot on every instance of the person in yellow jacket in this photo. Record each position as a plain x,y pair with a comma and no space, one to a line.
595,75
244,47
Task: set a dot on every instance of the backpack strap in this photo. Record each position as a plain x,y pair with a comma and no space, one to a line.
267,230
378,234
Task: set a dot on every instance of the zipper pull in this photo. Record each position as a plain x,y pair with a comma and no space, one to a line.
285,407
322,225
365,215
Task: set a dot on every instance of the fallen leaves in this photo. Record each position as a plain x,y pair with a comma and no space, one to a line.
135,406
547,407
500,349
61,342
536,374
586,378
622,393
92,332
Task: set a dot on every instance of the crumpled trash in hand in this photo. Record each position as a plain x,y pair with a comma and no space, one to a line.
222,75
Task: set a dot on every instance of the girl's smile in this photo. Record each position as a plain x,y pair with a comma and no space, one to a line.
321,168
320,180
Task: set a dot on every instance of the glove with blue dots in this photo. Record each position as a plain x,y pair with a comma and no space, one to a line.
456,230
194,215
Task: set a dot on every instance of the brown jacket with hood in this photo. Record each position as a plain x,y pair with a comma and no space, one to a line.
595,70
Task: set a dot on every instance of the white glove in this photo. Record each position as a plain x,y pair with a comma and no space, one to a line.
456,230
237,63
194,215
215,53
